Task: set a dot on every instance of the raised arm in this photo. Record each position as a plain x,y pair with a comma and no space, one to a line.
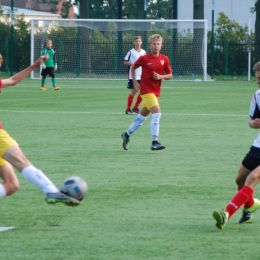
22,74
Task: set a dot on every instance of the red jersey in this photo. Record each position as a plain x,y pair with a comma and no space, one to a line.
150,64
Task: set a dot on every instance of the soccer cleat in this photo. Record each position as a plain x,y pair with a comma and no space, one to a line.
221,217
128,112
157,146
43,88
52,198
135,110
246,217
247,214
56,88
126,140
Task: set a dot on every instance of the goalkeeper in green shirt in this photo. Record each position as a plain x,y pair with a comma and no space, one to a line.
49,66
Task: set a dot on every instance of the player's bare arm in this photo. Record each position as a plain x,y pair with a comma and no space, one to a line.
157,76
127,63
254,123
24,73
136,84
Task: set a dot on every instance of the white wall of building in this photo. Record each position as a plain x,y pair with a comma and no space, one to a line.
238,10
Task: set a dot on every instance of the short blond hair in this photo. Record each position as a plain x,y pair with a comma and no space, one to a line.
256,67
155,37
48,40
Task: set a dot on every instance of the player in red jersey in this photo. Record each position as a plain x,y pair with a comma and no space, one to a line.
249,172
12,156
155,67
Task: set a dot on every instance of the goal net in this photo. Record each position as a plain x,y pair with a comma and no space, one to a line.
95,49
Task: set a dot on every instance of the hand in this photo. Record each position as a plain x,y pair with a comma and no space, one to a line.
137,86
156,76
42,59
43,66
254,123
56,67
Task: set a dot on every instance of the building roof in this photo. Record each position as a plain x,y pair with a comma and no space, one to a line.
31,13
35,6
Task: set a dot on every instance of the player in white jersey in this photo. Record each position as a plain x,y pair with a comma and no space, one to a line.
130,58
249,172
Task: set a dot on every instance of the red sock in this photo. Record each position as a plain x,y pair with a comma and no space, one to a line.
129,101
242,196
250,202
138,101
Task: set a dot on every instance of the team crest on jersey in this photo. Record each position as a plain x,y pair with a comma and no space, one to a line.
162,62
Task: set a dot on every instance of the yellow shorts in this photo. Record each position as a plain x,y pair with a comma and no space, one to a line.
149,101
6,142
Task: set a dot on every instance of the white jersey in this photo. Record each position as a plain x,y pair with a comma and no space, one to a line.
132,56
254,112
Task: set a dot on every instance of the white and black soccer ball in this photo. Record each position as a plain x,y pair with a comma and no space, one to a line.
75,187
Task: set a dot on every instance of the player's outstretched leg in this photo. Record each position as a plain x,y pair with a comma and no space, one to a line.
221,217
247,214
52,198
126,140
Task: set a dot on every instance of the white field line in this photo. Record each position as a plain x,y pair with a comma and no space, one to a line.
113,113
5,228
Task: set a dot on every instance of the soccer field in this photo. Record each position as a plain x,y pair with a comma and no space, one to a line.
141,204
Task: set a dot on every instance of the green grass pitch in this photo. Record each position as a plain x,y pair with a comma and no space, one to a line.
141,204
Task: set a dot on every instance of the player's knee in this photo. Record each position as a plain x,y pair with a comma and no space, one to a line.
239,182
12,187
254,177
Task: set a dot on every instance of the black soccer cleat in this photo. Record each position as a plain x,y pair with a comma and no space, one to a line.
157,146
246,217
126,140
136,110
129,112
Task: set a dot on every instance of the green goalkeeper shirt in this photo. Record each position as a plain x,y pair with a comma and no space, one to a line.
52,54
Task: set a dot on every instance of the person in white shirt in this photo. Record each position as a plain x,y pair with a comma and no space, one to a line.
130,58
249,172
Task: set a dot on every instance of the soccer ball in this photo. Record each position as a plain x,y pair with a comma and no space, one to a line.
75,187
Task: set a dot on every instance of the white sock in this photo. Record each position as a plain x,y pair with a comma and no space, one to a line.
155,125
39,179
138,121
2,191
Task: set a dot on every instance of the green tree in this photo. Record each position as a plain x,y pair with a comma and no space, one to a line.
229,30
229,33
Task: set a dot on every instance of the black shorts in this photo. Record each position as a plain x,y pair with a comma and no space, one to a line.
130,84
252,159
48,70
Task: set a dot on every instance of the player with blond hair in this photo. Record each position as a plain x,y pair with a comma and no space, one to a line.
155,68
12,156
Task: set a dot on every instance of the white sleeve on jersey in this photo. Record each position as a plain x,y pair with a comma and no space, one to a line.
127,56
254,110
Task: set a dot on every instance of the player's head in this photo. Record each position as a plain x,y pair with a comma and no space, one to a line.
48,43
138,42
256,69
155,43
